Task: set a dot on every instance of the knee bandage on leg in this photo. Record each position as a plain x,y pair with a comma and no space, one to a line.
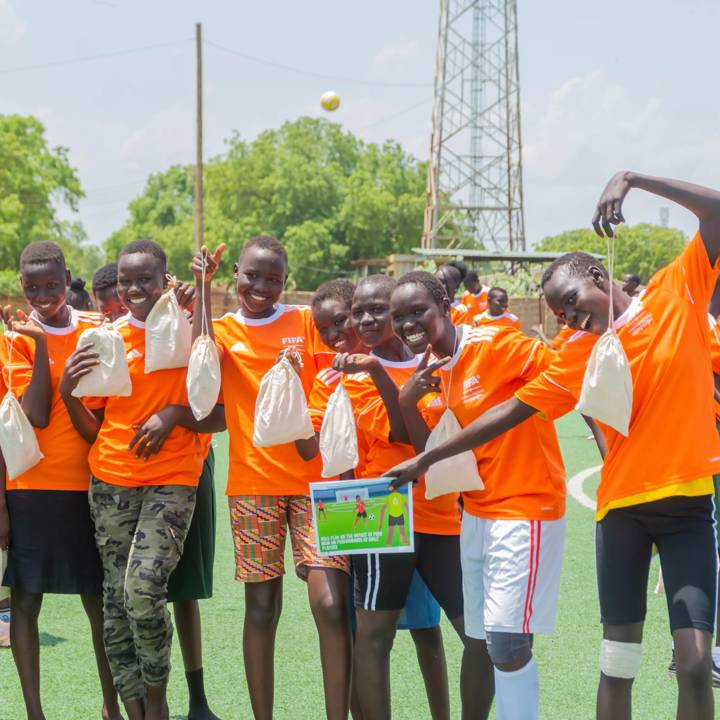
505,648
620,659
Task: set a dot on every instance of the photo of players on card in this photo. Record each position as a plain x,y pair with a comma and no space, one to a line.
361,516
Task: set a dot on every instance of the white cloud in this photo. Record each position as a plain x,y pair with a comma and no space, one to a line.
592,126
11,24
390,53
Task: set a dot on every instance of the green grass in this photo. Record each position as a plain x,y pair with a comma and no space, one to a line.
568,661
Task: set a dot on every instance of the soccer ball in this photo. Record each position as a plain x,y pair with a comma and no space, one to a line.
371,516
330,100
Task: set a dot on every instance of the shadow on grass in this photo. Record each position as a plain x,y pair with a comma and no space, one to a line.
48,640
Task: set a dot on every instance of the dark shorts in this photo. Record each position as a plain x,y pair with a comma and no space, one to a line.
192,578
394,521
363,514
683,530
52,543
383,580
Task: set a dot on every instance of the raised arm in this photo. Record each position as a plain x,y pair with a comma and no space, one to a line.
703,202
421,383
37,398
487,427
204,267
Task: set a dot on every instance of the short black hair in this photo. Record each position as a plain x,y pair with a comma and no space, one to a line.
460,266
497,290
472,276
147,246
269,243
632,277
384,281
429,282
42,252
339,289
577,264
77,296
105,277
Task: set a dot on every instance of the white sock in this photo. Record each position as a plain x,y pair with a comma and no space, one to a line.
517,694
716,655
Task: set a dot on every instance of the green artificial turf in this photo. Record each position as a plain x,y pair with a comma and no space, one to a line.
568,661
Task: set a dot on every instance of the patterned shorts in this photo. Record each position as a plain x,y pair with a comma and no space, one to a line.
259,526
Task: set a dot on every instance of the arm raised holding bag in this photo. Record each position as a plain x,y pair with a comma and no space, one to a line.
37,398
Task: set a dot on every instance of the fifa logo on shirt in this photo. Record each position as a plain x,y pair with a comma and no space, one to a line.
293,340
472,388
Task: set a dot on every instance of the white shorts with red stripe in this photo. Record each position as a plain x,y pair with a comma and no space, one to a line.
511,574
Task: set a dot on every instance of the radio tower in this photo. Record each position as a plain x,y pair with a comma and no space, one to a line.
474,192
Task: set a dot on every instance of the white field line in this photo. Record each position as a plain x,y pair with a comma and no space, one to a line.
575,487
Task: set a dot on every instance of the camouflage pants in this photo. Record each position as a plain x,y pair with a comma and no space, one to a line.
140,533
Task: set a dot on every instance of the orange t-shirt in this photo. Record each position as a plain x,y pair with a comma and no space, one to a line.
249,348
563,335
506,319
439,516
673,447
65,465
459,314
522,469
476,304
181,458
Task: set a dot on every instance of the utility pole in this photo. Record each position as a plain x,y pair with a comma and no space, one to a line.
199,213
474,192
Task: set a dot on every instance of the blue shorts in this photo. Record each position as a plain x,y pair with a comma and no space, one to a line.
421,608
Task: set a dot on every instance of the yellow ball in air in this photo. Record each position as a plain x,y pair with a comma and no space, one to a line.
330,101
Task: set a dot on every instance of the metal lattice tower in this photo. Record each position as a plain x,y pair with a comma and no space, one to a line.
474,192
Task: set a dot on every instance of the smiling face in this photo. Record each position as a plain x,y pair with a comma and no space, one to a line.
450,277
416,317
497,302
580,301
371,314
141,282
44,285
333,321
260,275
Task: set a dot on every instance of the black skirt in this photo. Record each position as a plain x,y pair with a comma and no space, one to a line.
52,543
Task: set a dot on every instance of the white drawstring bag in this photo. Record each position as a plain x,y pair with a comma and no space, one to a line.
111,378
338,436
18,441
168,335
203,375
455,474
607,392
281,411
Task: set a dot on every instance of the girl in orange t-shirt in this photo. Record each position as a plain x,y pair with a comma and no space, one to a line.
45,509
656,483
146,459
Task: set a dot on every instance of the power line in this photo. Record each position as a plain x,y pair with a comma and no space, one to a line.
310,73
392,116
91,58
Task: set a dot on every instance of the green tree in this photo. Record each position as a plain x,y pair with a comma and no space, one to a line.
641,249
330,197
34,178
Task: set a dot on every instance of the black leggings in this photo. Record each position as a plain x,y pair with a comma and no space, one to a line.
683,530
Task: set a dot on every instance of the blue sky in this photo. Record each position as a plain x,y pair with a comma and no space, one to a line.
606,86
